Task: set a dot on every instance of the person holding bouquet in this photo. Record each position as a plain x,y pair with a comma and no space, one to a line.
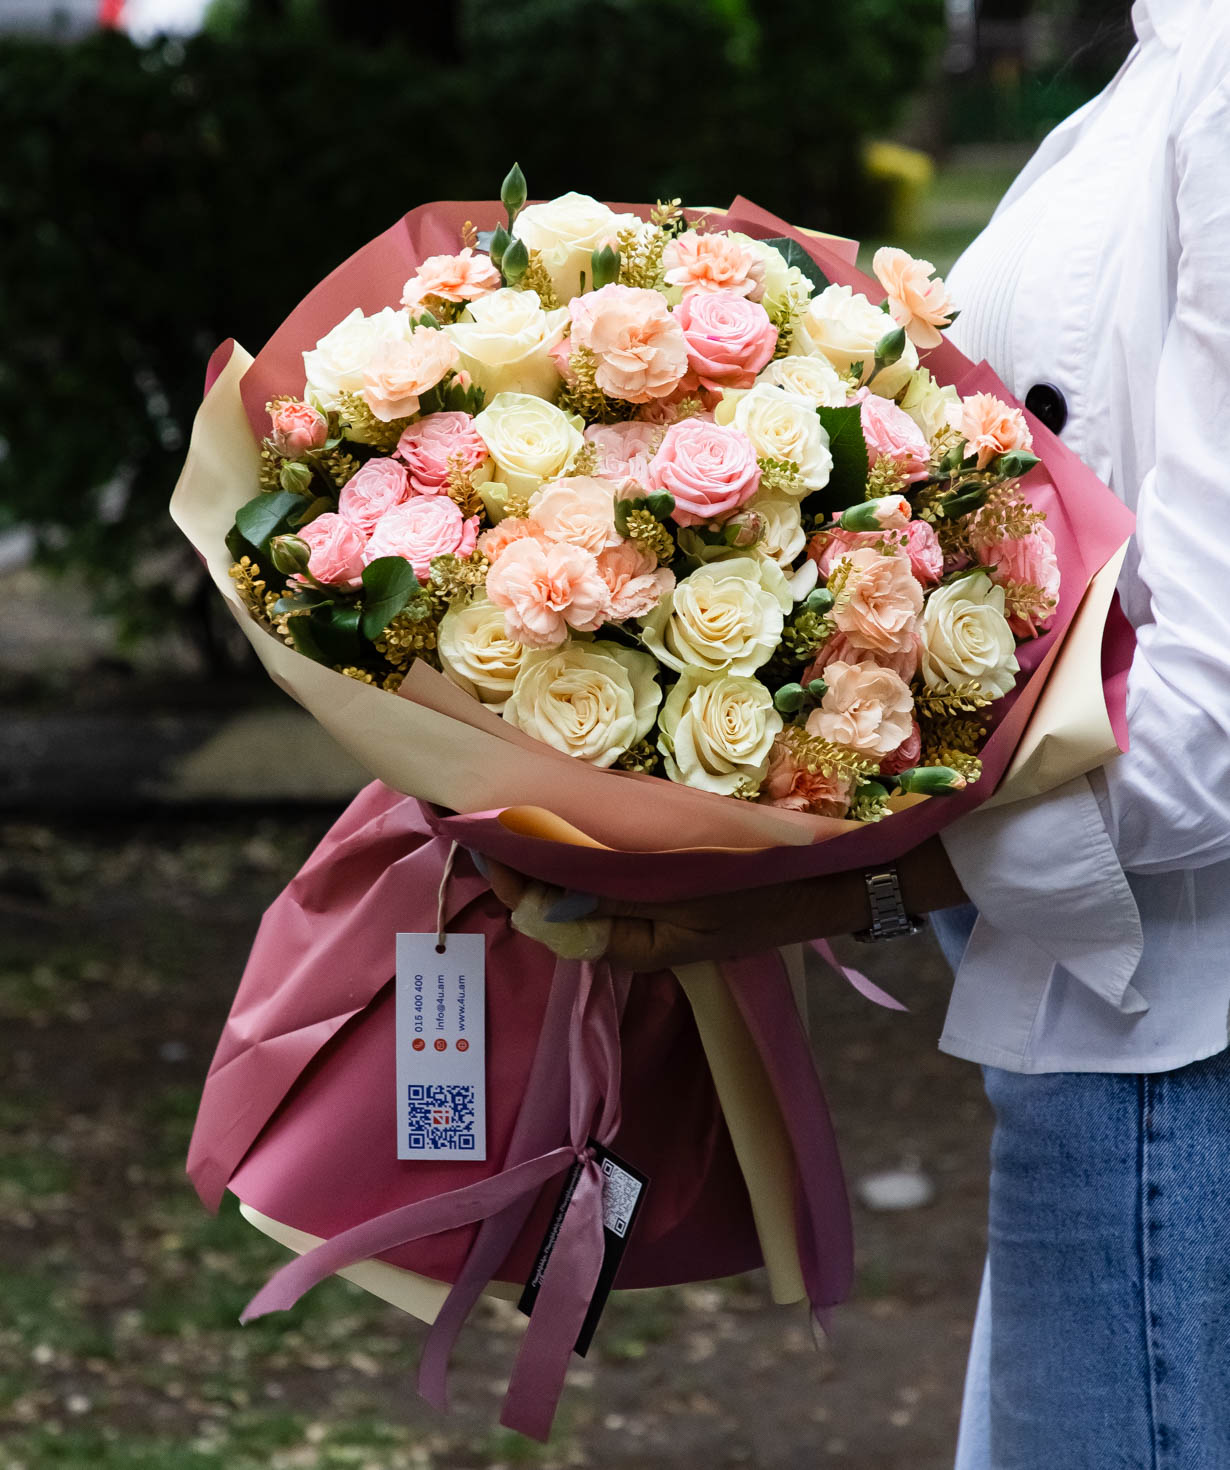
1093,986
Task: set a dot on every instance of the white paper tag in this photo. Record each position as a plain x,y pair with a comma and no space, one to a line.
441,1048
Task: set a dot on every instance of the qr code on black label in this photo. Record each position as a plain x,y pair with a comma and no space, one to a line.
441,1115
619,1195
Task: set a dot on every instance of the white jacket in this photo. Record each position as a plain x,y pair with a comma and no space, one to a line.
1103,942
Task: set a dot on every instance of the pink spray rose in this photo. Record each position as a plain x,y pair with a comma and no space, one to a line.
989,427
578,510
431,446
336,550
463,277
867,708
891,433
880,607
839,649
295,428
422,528
1025,562
635,582
545,588
917,299
638,348
624,450
922,547
711,471
714,262
371,492
794,787
729,338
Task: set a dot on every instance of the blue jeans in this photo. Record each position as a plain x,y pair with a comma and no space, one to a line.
1103,1332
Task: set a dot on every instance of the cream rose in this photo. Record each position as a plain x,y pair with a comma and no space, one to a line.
928,402
589,700
505,341
566,231
339,362
813,378
965,636
844,327
477,653
782,537
782,425
716,731
529,439
726,616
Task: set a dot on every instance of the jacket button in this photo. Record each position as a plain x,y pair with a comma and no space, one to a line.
1046,402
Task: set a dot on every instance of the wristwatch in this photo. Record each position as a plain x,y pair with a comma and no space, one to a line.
889,919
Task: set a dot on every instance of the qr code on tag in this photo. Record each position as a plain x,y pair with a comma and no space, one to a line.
441,1115
619,1195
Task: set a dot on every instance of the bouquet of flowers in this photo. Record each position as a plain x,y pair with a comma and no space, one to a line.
655,552
665,500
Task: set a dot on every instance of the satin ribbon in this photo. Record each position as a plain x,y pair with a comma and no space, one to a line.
868,989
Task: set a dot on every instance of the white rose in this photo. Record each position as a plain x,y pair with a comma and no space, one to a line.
477,653
726,616
590,700
927,402
784,537
338,362
566,231
844,327
965,636
505,341
784,426
716,731
529,439
813,378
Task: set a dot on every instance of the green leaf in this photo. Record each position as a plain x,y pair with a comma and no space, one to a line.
239,547
848,481
267,516
303,636
336,630
389,584
794,254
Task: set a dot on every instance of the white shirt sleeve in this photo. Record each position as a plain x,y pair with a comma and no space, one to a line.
1050,873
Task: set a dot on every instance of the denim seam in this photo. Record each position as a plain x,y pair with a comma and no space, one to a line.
1145,1087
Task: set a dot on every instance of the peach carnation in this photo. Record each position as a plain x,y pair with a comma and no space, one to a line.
494,542
880,605
463,277
794,787
989,427
635,582
917,299
545,588
639,349
714,262
839,649
579,510
867,708
399,371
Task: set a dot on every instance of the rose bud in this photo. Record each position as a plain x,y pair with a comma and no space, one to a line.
886,513
743,530
297,428
296,476
290,554
789,699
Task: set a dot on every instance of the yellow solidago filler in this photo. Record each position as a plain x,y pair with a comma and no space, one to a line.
950,699
1006,514
364,676
406,639
584,461
270,468
885,477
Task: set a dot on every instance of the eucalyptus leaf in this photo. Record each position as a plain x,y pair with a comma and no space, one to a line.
389,584
267,516
848,481
794,254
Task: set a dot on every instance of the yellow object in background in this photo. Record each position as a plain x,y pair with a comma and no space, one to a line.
905,175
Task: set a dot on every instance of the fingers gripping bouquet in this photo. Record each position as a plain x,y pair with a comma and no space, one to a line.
655,552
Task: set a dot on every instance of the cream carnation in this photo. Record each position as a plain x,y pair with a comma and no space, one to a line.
843,327
529,439
716,731
566,231
477,653
589,700
966,637
579,510
726,615
638,348
783,426
339,361
866,708
398,372
505,341
545,588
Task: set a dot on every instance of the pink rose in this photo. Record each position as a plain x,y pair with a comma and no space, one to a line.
336,550
906,754
891,433
635,582
546,588
989,427
711,471
578,510
463,277
839,649
296,428
917,299
372,491
637,345
1025,562
432,445
729,339
880,606
399,372
424,527
792,786
714,262
624,450
867,708
500,537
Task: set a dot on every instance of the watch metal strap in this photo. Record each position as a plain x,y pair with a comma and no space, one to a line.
889,919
